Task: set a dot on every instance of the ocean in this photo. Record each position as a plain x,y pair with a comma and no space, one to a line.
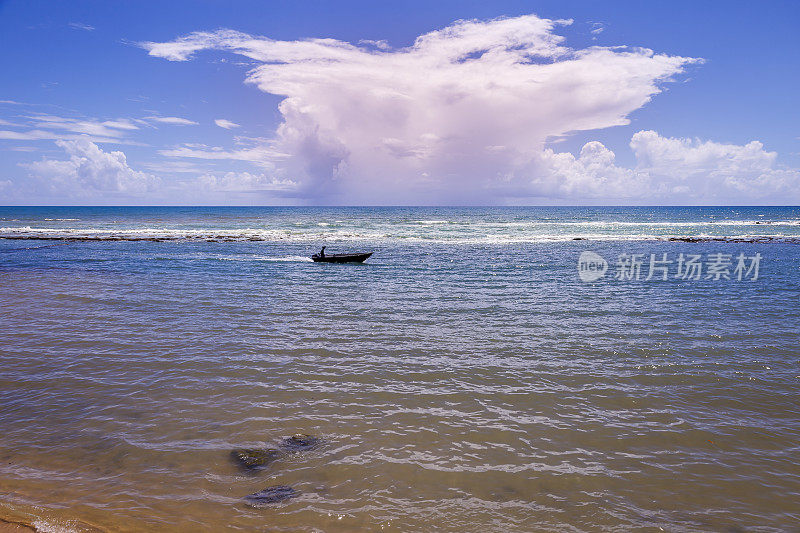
487,369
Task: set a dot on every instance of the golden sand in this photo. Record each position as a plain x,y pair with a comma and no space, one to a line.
14,527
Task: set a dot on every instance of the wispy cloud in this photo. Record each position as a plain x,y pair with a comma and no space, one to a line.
224,123
30,135
81,26
175,121
168,167
121,124
380,44
263,153
36,126
106,128
18,148
40,135
597,28
246,182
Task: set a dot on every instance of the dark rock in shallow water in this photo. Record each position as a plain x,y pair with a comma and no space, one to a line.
685,239
274,494
300,441
759,239
251,458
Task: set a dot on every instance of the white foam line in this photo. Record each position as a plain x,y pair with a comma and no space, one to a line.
288,258
284,235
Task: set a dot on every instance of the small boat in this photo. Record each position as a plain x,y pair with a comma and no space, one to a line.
340,258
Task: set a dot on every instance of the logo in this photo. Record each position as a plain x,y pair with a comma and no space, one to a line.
591,266
630,267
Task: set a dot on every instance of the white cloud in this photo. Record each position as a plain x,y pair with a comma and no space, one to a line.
83,126
262,154
224,123
667,170
593,174
40,126
89,170
246,182
19,148
33,135
121,124
706,169
464,114
461,108
81,26
39,135
175,121
182,167
379,44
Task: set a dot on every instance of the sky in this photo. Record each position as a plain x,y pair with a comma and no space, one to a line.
399,103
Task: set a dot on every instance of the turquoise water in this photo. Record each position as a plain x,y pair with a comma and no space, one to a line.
463,379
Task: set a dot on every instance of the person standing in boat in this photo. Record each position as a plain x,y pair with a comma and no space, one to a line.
322,252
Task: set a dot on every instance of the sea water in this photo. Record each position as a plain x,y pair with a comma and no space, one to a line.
464,378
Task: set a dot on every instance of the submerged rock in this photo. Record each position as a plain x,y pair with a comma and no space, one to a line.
762,239
300,441
274,494
252,458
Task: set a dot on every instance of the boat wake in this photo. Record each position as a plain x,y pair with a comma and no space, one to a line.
282,259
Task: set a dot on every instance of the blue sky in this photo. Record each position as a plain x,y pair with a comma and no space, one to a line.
89,112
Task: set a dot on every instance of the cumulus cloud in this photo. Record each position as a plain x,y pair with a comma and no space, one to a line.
224,123
706,169
667,169
91,170
459,108
593,174
465,114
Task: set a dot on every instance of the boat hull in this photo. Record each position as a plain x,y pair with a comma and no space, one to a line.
341,258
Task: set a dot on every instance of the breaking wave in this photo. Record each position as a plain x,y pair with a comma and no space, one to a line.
471,230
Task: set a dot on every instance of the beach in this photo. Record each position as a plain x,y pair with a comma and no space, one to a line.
464,378
12,527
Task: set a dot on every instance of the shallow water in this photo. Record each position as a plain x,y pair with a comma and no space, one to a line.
461,379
